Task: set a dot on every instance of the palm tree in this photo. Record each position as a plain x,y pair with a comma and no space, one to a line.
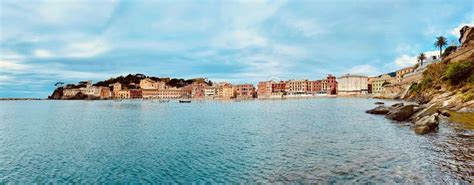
440,43
421,57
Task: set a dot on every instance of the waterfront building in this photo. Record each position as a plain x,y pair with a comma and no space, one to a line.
148,83
264,89
89,89
135,93
209,91
314,86
122,94
352,85
169,93
296,86
225,91
70,92
105,93
332,86
400,73
195,90
244,91
117,86
378,83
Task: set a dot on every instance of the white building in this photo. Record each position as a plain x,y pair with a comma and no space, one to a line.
352,84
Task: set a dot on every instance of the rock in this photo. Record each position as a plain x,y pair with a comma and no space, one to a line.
378,110
397,105
379,103
427,124
401,113
445,113
431,109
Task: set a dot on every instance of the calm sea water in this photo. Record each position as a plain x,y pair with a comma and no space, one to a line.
312,140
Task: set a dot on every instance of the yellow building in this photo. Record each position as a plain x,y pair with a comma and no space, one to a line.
379,82
400,73
296,86
122,94
148,83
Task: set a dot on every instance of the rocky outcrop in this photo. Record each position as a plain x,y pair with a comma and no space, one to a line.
401,113
378,110
427,124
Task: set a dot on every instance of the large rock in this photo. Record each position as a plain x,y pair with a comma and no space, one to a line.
401,113
427,124
378,110
397,105
431,109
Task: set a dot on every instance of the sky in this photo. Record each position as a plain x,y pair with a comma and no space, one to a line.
44,41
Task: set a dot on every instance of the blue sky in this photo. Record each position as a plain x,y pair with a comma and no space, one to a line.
43,42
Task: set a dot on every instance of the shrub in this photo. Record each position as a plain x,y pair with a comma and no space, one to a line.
459,72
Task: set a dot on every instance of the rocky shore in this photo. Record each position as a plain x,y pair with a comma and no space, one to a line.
424,119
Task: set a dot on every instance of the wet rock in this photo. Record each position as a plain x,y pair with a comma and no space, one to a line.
379,103
378,110
431,109
397,105
445,113
401,113
427,124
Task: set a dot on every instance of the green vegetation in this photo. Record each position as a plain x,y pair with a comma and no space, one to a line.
457,76
131,81
459,72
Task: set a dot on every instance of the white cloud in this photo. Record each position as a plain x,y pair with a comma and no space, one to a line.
86,49
365,69
41,53
455,31
307,28
410,60
240,39
12,65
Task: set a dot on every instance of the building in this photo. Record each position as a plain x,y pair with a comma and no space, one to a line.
122,94
117,86
400,73
296,86
352,85
70,92
169,93
264,89
378,83
105,93
209,91
135,93
332,86
225,91
195,90
148,83
314,86
244,91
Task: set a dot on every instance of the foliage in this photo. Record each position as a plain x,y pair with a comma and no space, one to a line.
440,43
449,50
459,72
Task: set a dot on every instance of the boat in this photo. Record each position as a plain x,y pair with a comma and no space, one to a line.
163,101
184,101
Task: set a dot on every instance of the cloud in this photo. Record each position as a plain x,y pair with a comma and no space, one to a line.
41,53
240,39
455,31
364,69
8,65
410,60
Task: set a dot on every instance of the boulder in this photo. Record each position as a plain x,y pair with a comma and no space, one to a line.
431,109
401,113
379,103
397,105
427,124
378,110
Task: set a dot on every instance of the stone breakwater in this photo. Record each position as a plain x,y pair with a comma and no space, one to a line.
424,119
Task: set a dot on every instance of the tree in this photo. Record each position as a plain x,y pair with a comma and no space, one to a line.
59,84
440,43
420,58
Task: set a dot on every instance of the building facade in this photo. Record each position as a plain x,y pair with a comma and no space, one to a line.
400,73
148,83
296,86
244,91
352,85
378,83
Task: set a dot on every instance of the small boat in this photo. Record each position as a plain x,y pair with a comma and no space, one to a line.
184,101
163,101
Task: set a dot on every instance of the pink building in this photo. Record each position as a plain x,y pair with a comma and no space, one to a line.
244,91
